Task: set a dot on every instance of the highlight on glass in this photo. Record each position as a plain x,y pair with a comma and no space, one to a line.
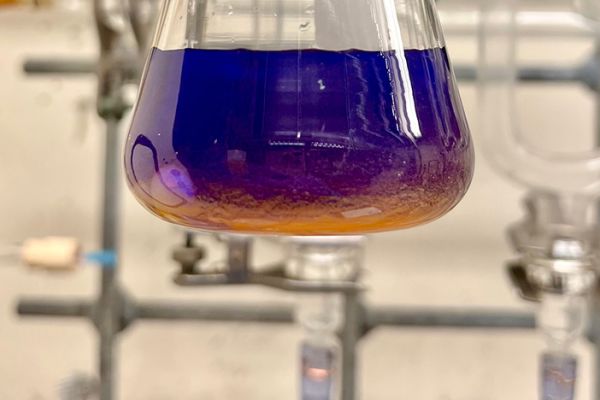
303,117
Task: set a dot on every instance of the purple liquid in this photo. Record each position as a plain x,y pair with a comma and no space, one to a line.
302,142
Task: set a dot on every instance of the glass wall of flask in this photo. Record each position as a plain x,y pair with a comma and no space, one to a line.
303,117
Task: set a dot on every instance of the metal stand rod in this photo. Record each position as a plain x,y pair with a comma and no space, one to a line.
284,313
350,336
244,312
107,317
594,338
45,307
450,318
59,66
238,257
531,74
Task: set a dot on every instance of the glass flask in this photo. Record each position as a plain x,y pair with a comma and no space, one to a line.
302,117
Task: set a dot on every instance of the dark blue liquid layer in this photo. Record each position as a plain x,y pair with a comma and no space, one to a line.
299,142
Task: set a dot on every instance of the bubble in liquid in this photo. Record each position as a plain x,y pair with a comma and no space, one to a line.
304,26
229,9
321,84
310,10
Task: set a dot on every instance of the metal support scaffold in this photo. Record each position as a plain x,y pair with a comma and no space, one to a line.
114,310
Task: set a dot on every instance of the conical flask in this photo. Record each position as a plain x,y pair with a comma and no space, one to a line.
302,117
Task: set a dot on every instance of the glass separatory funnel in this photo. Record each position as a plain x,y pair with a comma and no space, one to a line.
302,117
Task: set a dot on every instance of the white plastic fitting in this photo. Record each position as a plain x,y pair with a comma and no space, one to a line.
51,253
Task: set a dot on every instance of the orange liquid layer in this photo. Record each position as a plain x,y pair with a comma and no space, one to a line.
236,211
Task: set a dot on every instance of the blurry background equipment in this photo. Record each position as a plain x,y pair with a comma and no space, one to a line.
558,240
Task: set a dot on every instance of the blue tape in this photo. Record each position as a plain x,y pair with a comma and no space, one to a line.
106,258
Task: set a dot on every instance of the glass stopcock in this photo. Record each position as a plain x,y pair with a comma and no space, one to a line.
299,117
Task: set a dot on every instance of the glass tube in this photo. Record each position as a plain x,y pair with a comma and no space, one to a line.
504,142
322,260
562,320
